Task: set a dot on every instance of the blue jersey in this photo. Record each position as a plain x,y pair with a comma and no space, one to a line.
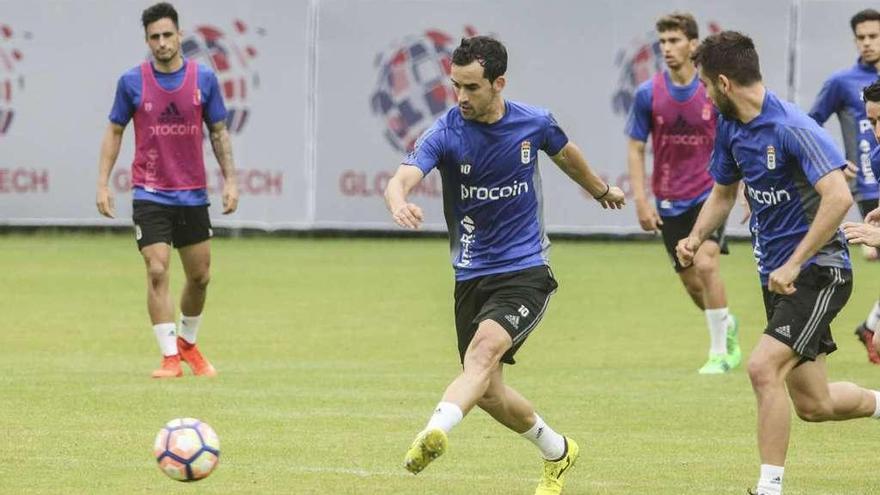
127,101
638,127
842,95
780,155
491,186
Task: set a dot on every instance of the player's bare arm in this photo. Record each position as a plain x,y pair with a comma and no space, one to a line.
836,201
222,146
714,212
110,145
571,160
407,215
649,219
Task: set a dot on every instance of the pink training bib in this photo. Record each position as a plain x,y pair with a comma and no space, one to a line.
168,134
683,136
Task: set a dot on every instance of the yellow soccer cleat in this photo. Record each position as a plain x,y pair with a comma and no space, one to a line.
429,445
554,471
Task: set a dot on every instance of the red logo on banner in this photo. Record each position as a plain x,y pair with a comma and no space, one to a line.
413,85
231,55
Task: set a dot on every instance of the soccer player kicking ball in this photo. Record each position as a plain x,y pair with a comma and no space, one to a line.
486,150
841,94
798,197
169,99
673,108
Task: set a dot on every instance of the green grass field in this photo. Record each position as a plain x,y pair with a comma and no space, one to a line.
332,354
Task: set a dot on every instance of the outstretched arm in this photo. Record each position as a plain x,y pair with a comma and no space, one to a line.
571,160
222,146
407,215
712,215
110,145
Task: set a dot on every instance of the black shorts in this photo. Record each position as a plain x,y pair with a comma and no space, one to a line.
179,226
802,320
678,227
515,300
867,206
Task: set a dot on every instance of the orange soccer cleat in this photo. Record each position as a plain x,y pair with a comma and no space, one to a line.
170,368
190,354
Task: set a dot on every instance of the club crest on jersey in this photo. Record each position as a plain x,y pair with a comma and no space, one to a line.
197,97
465,168
707,111
148,106
525,152
771,157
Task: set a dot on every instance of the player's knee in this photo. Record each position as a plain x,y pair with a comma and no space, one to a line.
761,373
813,411
485,351
157,270
705,265
201,279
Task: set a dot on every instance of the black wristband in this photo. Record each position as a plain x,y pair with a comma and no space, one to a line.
607,190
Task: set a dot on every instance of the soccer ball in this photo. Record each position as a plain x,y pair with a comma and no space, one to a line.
187,449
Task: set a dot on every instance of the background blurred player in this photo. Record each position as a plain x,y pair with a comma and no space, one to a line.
842,94
673,108
798,196
169,99
486,150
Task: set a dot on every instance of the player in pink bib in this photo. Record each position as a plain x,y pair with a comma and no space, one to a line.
673,108
170,99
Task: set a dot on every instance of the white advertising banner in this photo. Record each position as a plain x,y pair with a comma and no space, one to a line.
326,96
382,80
59,65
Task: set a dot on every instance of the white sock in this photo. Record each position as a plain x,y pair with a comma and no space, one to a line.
552,444
771,480
166,334
189,327
716,319
876,414
446,416
873,319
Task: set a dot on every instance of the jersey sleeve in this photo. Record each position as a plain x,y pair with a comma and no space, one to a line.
213,108
814,150
124,105
826,102
722,165
638,123
428,150
554,137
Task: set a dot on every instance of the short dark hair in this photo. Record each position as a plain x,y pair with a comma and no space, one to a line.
872,92
730,53
161,10
679,21
863,16
488,52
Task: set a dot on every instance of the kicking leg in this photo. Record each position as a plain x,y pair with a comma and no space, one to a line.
482,357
